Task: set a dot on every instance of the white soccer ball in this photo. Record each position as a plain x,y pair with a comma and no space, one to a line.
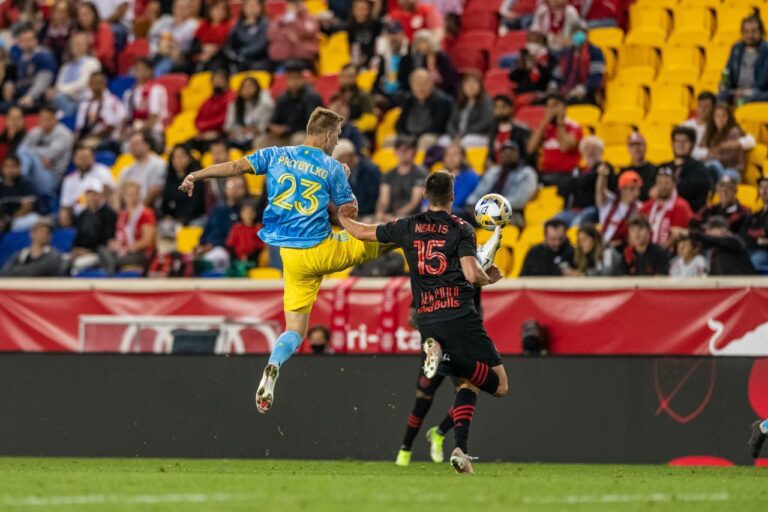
493,210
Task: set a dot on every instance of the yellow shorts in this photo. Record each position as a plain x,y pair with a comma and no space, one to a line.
303,269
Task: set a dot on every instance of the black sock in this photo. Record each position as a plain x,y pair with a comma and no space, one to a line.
483,377
463,409
446,424
420,409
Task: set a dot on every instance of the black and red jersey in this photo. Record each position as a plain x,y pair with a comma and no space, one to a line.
434,242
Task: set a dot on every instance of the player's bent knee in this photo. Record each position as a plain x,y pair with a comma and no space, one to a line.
502,390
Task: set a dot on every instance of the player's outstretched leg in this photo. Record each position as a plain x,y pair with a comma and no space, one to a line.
463,410
433,355
436,435
757,437
286,345
487,252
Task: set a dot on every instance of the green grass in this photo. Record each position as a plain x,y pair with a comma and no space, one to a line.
239,485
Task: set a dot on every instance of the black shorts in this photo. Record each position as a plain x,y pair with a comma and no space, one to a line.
464,341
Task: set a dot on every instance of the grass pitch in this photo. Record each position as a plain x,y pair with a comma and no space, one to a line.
162,485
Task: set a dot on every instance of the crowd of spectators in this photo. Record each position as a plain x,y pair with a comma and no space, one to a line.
65,124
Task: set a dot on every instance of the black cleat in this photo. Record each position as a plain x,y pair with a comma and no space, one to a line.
756,439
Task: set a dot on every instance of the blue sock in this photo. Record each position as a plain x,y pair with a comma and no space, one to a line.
284,348
764,426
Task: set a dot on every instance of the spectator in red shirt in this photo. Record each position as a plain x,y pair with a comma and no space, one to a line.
667,211
102,38
293,36
558,138
243,241
615,209
213,113
598,13
211,36
557,20
134,241
414,16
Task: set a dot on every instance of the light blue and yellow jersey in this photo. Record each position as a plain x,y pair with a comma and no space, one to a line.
301,181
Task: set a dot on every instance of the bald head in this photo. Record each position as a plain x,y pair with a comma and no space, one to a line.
421,84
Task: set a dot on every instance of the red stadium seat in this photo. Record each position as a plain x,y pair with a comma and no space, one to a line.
467,59
30,121
278,85
530,115
130,54
480,20
477,40
497,82
483,5
508,44
327,86
173,83
525,98
275,9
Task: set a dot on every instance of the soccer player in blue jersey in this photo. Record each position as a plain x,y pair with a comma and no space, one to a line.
301,182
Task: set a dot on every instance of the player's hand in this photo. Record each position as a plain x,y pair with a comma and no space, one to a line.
494,274
347,170
188,185
348,210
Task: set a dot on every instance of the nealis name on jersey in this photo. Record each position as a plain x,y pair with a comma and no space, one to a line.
445,297
441,229
302,166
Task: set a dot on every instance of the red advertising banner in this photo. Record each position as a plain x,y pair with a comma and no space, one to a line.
622,318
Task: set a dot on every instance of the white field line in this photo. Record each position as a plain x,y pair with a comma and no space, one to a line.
625,498
117,499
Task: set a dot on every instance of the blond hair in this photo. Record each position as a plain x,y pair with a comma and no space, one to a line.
323,120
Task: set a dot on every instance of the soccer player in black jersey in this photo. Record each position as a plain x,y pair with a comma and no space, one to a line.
441,252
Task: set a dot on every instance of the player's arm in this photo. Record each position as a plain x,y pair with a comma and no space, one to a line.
225,170
359,230
475,274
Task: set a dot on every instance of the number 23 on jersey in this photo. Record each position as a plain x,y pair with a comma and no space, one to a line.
309,190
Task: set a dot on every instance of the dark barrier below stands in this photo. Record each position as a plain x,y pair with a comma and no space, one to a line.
576,409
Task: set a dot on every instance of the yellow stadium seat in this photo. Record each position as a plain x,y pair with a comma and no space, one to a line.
477,157
701,3
518,258
747,195
366,79
193,99
123,161
607,37
617,155
200,81
637,64
315,7
386,129
181,129
666,4
366,123
624,103
385,159
755,163
660,154
650,26
418,158
693,26
614,134
504,260
548,192
585,115
509,236
670,95
532,235
207,159
668,114
263,77
656,133
255,183
265,273
333,53
681,62
610,63
757,111
571,234
187,238
729,22
537,214
716,59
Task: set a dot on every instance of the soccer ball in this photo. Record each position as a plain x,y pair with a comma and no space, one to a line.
493,210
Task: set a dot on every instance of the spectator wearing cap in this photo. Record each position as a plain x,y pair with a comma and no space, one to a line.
391,48
512,178
726,253
725,155
551,257
615,210
17,197
176,204
643,257
131,249
94,227
425,111
247,45
506,128
35,72
746,73
171,36
414,16
147,169
45,152
688,262
402,188
71,86
579,194
558,139
426,53
640,164
37,260
72,200
557,20
364,177
472,121
292,111
14,132
147,102
212,115
693,182
755,231
294,35
728,206
100,116
667,211
465,179
581,71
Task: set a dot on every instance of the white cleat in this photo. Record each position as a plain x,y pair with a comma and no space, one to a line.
461,462
487,252
265,396
434,353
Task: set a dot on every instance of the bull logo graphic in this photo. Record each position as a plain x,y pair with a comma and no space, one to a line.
753,343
